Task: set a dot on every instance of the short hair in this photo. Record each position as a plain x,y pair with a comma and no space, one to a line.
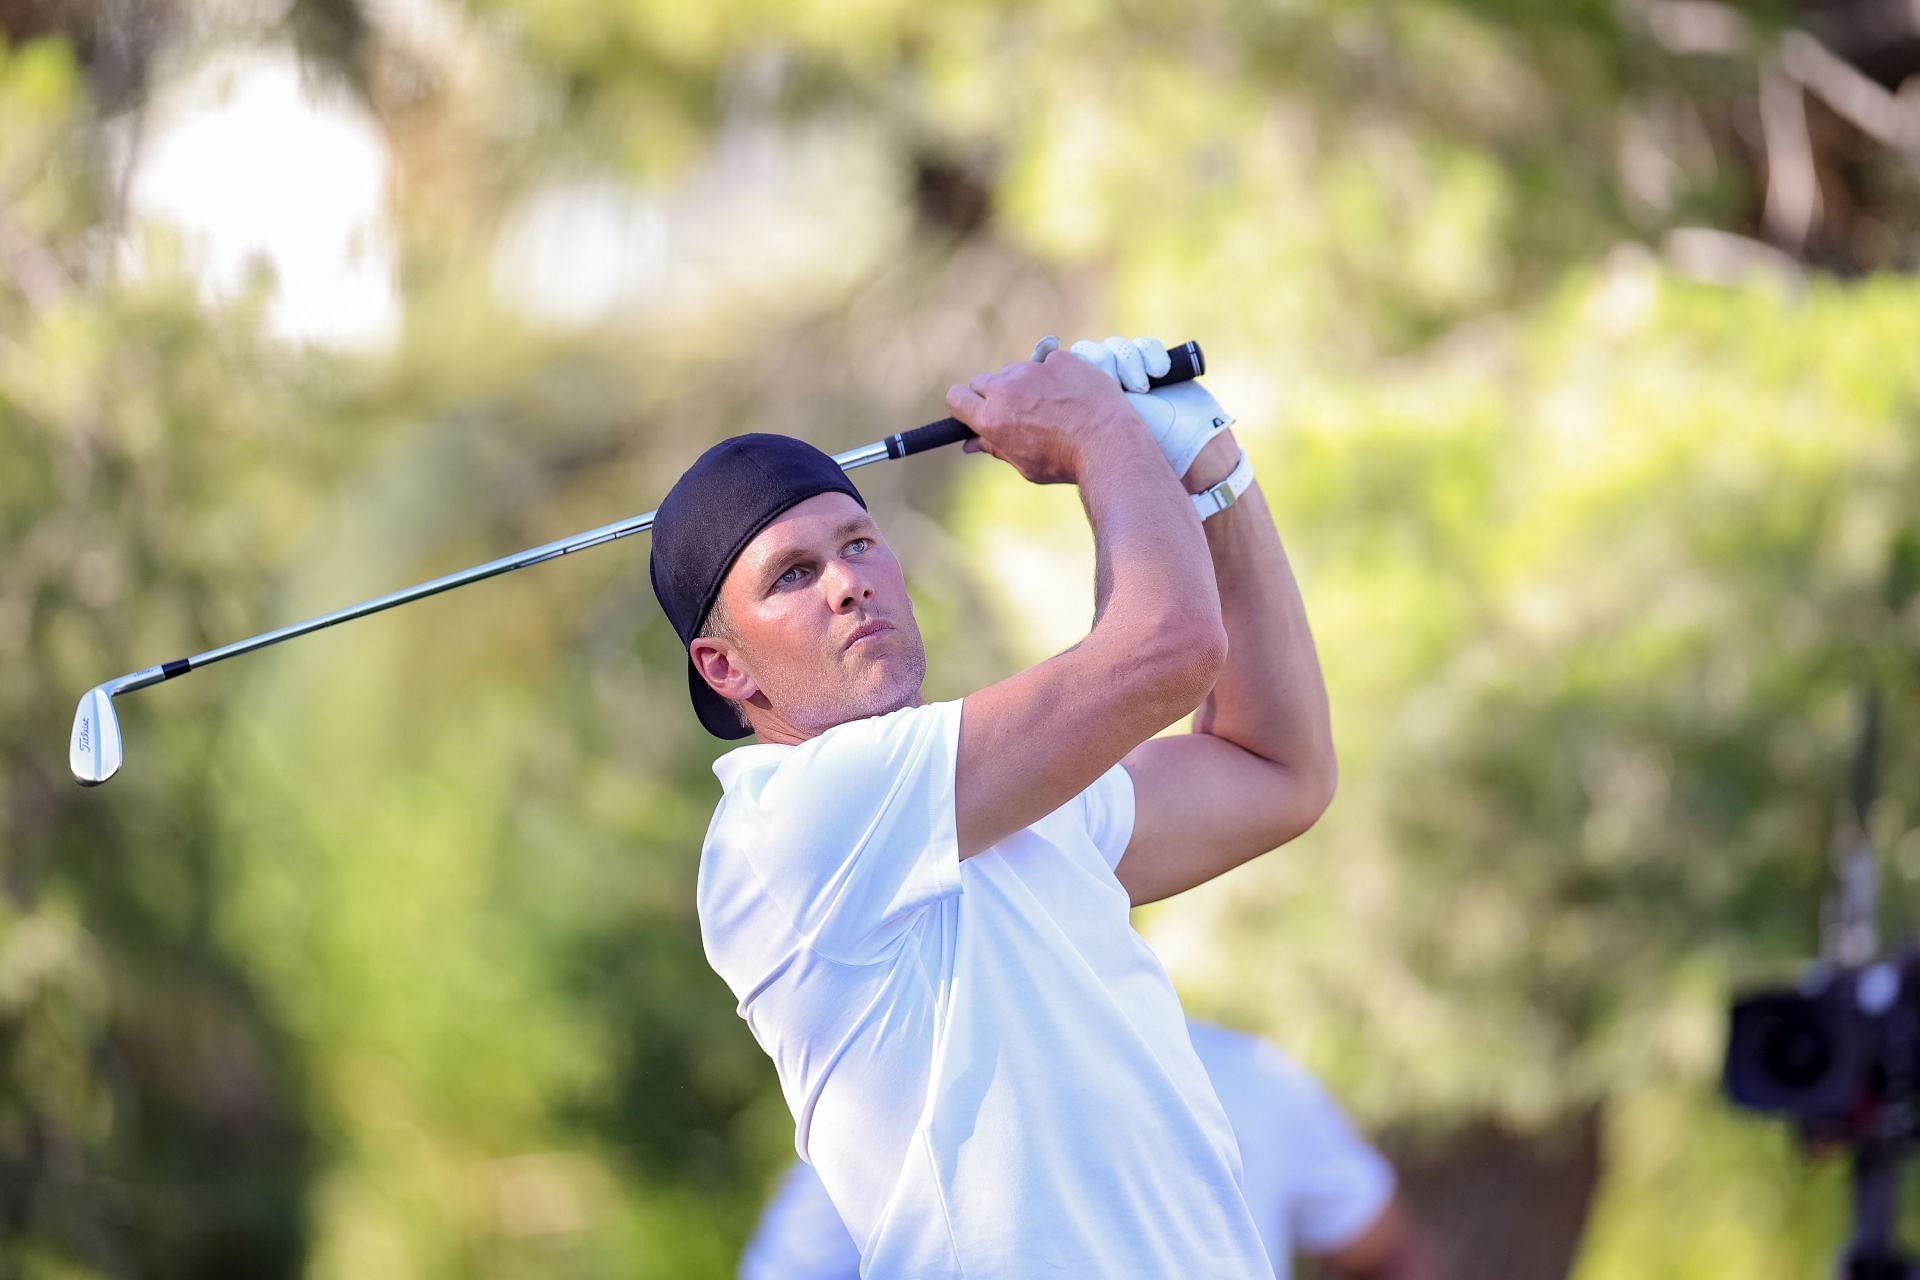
719,626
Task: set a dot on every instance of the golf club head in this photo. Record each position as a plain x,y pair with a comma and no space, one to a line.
94,752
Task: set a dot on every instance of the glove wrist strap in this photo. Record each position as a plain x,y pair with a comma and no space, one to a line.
1211,502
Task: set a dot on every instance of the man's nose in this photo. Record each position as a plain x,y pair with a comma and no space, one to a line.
845,587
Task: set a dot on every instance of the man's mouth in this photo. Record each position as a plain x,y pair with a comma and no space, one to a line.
865,630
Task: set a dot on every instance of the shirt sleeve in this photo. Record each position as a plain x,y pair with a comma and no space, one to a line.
800,1236
1108,806
1340,1184
853,836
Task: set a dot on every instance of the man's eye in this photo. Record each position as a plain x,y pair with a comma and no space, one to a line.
792,575
858,546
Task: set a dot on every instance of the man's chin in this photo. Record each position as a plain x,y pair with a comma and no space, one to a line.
881,685
883,700
900,702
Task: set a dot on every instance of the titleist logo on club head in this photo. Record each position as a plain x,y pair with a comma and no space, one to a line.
86,735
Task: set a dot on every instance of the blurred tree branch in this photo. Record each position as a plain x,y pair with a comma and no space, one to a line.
1886,117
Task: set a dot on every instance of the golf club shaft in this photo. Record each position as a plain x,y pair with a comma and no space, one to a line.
1187,363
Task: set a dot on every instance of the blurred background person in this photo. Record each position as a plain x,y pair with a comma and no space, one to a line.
1316,1187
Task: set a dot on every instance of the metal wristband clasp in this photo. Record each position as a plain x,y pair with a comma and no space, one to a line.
1211,502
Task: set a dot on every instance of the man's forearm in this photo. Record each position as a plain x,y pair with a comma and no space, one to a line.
1392,1247
1131,507
1153,577
1270,698
1033,741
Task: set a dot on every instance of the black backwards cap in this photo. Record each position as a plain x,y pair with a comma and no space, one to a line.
735,489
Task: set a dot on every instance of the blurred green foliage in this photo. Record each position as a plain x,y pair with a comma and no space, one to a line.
379,957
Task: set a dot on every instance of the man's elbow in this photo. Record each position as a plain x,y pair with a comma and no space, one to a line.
1308,795
1325,784
1190,656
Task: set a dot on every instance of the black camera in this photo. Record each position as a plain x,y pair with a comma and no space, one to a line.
1840,1054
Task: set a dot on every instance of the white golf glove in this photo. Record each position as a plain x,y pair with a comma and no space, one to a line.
1182,416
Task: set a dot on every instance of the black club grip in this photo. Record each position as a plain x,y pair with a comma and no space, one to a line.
1188,363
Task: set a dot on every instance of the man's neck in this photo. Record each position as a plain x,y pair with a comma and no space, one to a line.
770,728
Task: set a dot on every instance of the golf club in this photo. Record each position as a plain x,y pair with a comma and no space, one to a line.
95,749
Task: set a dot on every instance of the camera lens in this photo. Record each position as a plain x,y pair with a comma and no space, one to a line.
1799,1052
1795,1050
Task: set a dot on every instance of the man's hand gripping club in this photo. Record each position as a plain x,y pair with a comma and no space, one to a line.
1183,416
1043,419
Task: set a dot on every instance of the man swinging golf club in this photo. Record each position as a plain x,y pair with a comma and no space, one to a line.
923,908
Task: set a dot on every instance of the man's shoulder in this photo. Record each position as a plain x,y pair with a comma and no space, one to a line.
857,746
832,785
842,837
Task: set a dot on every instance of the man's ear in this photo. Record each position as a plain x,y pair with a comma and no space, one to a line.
720,668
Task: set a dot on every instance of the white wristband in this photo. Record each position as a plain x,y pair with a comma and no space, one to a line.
1211,502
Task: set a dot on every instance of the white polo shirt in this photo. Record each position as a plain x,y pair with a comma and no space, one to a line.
987,1066
1313,1183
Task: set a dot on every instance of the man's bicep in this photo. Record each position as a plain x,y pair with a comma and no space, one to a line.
1203,806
